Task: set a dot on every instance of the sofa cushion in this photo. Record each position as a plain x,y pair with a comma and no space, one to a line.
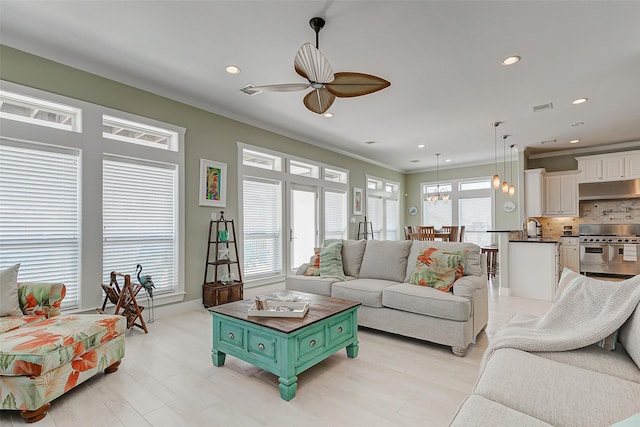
476,411
352,254
39,347
9,323
385,260
9,291
331,260
366,291
311,284
594,358
556,393
427,301
472,264
438,269
629,336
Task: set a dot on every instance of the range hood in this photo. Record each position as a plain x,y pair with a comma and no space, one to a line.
628,189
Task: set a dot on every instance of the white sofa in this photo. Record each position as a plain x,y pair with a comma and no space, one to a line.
377,274
589,386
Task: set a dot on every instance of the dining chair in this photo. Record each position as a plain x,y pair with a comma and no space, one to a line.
452,231
461,234
425,232
408,231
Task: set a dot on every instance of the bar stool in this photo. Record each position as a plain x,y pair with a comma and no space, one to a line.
492,257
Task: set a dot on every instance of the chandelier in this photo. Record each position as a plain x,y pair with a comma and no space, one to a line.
438,194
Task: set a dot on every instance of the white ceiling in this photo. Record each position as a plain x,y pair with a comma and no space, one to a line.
443,59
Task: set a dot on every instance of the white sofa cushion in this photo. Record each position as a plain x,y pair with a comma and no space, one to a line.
9,305
311,284
427,301
472,264
629,336
556,393
366,291
352,254
385,260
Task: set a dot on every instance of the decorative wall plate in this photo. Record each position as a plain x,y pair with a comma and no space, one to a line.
413,210
509,206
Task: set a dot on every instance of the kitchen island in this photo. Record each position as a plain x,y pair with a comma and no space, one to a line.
533,268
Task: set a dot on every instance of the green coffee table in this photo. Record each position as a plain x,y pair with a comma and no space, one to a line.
285,346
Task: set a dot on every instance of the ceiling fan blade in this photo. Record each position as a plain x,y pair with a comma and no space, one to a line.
311,64
319,100
346,85
286,87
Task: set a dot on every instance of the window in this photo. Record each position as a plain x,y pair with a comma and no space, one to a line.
138,133
287,212
39,112
139,229
39,215
95,204
335,214
470,204
383,208
262,220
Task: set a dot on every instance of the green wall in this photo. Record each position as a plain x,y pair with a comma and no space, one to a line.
208,136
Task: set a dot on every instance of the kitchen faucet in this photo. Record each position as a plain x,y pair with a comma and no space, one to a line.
525,226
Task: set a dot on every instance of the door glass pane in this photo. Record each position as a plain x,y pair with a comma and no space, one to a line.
475,215
303,226
375,216
392,220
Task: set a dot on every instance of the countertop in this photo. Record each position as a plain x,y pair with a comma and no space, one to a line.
537,240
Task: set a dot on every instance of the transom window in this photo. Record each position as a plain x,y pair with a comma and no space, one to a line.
261,160
138,133
39,112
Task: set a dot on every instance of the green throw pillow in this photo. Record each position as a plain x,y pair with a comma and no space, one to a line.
438,269
331,259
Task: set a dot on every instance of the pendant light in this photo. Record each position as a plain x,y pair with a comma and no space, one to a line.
512,188
496,177
505,184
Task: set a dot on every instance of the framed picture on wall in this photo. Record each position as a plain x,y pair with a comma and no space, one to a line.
357,201
213,183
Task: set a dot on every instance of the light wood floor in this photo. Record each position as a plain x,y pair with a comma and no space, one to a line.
167,379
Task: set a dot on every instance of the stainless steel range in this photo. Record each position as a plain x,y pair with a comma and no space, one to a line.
610,248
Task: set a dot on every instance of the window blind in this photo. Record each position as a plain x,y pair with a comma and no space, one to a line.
39,216
140,221
391,207
375,215
262,227
335,214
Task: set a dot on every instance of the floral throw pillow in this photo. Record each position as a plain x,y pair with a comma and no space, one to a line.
314,267
438,269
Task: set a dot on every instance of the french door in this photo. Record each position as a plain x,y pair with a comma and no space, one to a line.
303,214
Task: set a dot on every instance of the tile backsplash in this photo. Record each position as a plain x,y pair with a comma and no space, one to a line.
594,212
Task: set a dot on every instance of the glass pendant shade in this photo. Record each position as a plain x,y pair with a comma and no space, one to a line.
505,187
512,190
496,181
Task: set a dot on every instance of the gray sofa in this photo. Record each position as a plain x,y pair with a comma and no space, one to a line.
590,386
377,274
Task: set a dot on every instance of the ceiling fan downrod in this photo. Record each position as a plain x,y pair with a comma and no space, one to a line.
317,24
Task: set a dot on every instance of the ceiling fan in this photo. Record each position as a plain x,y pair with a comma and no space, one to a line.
311,64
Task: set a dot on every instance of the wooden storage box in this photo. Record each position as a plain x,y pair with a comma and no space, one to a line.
218,293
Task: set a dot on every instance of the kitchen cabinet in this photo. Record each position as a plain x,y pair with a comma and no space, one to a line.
609,167
533,191
569,253
561,194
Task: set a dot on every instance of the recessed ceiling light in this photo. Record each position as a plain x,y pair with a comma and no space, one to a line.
447,160
232,69
579,101
328,115
421,146
576,124
511,60
574,141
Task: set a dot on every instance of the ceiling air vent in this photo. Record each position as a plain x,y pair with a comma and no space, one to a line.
249,90
548,141
415,161
369,142
542,107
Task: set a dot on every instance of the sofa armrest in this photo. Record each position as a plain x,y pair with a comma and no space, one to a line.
302,269
41,298
467,285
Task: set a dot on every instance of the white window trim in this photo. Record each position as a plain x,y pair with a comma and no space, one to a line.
381,193
93,146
